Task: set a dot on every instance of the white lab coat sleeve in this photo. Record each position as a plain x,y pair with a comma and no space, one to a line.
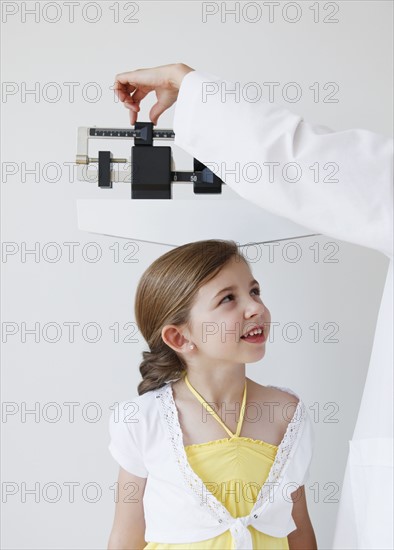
124,446
336,183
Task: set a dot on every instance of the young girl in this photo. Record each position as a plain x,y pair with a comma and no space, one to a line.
209,459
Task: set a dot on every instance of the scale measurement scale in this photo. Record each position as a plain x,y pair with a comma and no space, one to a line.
123,133
151,168
150,175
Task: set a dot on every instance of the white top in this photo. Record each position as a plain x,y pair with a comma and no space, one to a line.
352,197
146,440
358,209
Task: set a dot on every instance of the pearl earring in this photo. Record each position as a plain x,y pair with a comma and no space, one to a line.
192,346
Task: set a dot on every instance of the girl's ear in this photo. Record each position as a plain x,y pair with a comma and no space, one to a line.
172,336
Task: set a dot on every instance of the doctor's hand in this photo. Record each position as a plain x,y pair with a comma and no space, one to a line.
165,80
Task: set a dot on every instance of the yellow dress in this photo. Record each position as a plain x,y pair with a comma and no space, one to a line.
233,469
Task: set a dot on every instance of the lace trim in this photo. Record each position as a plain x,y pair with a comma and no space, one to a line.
195,484
276,472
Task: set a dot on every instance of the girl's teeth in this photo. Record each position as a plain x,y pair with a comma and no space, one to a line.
254,333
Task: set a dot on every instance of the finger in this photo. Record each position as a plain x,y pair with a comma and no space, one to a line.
133,115
132,106
140,94
124,89
157,110
122,94
129,81
128,77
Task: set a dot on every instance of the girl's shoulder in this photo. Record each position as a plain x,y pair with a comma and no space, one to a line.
282,401
140,406
284,395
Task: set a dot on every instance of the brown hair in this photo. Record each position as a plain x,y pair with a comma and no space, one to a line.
165,295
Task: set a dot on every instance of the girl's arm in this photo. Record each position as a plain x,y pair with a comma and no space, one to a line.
128,530
303,538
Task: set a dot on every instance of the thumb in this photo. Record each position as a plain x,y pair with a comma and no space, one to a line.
157,110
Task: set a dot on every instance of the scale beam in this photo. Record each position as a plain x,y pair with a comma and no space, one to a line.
150,172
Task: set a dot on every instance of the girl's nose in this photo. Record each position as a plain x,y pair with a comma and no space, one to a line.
254,307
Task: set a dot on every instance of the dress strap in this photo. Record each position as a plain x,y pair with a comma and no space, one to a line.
213,412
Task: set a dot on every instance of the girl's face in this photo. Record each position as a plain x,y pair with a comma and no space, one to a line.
220,317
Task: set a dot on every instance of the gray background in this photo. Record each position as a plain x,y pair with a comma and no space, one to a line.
47,455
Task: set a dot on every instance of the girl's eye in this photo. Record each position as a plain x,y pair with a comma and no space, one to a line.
257,290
